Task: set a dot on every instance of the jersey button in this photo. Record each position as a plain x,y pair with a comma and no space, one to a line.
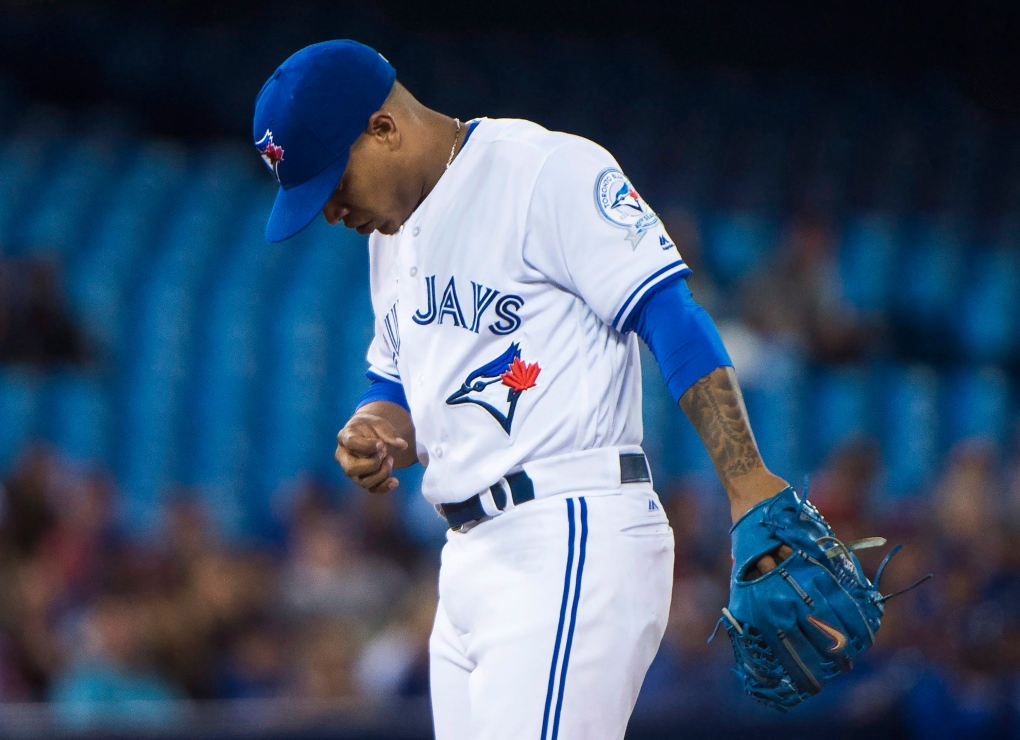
413,271
439,452
415,231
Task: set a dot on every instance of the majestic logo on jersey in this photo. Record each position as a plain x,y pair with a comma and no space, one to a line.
619,204
272,154
513,375
448,307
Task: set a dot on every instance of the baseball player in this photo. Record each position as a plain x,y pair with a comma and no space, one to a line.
513,270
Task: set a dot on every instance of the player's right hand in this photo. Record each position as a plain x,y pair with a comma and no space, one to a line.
364,450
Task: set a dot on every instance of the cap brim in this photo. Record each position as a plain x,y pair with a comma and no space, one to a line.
298,206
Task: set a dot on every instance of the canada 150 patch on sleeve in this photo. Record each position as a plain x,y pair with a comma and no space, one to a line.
619,204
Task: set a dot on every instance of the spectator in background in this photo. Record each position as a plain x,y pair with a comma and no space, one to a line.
968,502
324,669
799,300
109,680
187,538
35,324
31,596
329,572
105,625
396,661
255,664
197,624
962,691
27,513
79,543
844,489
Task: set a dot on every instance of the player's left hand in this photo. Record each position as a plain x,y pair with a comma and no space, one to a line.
769,561
801,610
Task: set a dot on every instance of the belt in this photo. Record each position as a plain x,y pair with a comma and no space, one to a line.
633,469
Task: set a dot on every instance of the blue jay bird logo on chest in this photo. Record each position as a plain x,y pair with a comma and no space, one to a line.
497,385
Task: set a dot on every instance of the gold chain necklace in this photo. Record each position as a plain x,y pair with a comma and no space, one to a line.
453,149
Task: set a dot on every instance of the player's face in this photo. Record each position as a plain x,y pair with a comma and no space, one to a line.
369,196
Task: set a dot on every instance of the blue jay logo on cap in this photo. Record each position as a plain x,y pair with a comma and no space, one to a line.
619,204
511,372
272,154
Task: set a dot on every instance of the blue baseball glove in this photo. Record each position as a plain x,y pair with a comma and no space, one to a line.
803,623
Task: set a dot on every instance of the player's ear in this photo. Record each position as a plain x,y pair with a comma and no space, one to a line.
383,129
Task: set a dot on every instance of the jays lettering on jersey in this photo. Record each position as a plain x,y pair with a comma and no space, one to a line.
500,303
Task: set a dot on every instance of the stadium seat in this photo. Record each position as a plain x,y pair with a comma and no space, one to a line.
737,243
980,403
73,193
986,325
19,410
776,404
929,277
22,170
291,430
908,399
841,408
156,437
76,416
868,254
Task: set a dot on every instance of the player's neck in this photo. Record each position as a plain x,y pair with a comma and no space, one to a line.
441,133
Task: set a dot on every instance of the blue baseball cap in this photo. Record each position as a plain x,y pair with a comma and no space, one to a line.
307,116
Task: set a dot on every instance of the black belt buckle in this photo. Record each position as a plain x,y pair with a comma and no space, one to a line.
634,468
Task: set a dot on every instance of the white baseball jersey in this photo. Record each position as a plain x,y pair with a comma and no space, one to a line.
499,306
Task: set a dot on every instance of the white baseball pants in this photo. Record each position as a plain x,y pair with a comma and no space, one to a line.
549,616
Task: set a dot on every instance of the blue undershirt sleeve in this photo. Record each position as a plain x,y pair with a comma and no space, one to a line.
680,333
383,389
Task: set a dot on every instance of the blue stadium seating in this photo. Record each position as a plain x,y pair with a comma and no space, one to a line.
868,255
776,408
19,414
908,403
930,275
101,278
152,453
292,437
228,364
75,192
842,408
980,403
22,171
736,243
222,395
986,325
75,416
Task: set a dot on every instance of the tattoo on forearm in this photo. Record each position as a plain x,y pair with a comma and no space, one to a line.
716,409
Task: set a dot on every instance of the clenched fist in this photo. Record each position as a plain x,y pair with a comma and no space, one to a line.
367,448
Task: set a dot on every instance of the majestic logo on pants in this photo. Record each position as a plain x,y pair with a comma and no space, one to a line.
480,387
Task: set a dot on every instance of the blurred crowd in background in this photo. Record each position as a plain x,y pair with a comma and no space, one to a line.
172,525
340,610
